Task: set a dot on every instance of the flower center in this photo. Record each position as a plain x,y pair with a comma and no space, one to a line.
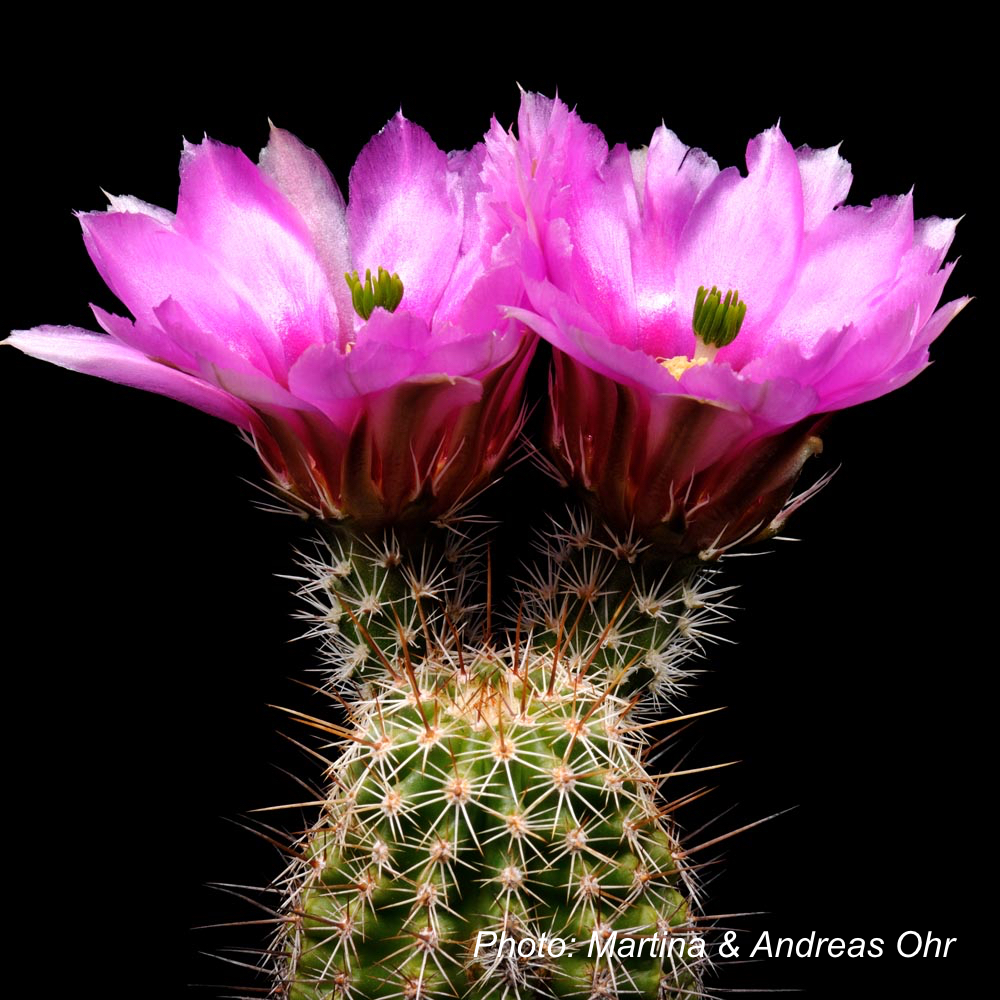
716,322
385,292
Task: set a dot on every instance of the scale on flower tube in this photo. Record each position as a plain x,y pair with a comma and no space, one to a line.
716,322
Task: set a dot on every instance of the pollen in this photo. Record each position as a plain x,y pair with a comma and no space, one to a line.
680,363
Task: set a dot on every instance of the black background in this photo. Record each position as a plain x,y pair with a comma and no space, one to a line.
147,629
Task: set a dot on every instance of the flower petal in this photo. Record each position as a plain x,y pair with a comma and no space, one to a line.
852,257
826,181
150,340
745,233
531,179
484,305
474,251
303,178
404,213
675,177
936,234
604,213
97,354
260,244
389,350
144,263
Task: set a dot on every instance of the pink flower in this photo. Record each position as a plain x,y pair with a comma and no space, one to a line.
391,410
698,439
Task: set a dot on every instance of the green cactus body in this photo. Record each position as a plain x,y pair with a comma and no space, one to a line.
492,804
506,802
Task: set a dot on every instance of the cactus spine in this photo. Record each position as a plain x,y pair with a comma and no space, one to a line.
492,794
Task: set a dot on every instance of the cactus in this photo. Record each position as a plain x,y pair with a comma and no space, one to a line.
492,796
492,784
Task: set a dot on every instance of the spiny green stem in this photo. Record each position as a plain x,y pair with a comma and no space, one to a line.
493,779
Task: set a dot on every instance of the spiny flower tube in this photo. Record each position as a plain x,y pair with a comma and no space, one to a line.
703,320
374,400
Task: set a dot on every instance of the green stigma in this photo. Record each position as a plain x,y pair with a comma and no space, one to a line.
385,292
717,321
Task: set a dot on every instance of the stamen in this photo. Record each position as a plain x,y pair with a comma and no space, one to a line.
386,292
716,322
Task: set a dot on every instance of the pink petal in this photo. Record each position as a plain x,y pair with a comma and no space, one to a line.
672,177
404,213
150,340
136,206
675,176
849,259
303,178
926,288
745,233
530,179
936,234
389,350
934,326
199,340
771,403
566,325
483,308
96,354
860,372
262,247
826,181
891,339
144,263
604,213
253,387
474,251
806,364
